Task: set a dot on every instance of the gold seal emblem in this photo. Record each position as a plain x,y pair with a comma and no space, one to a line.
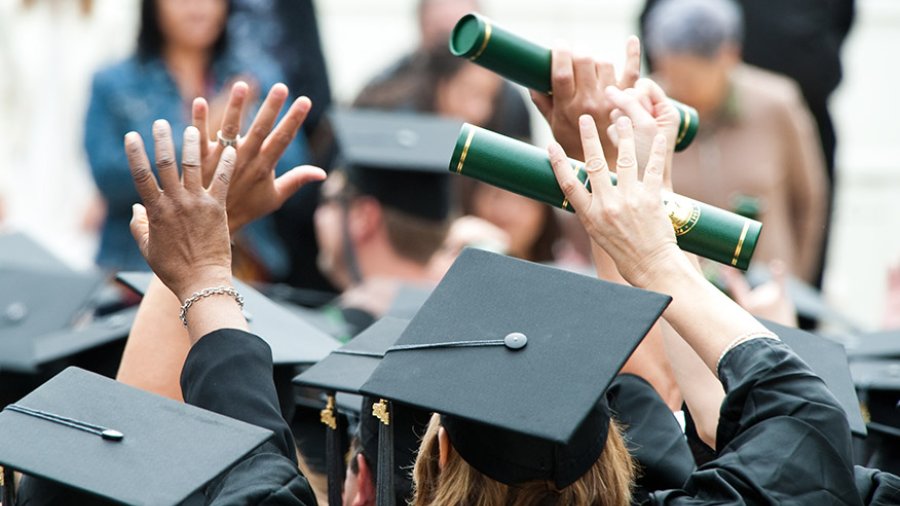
683,213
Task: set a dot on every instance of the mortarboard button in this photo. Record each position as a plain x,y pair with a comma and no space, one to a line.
515,340
15,312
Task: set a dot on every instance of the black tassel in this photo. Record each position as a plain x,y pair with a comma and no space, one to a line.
8,484
333,462
384,487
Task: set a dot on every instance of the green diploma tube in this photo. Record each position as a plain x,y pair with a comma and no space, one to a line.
521,168
522,61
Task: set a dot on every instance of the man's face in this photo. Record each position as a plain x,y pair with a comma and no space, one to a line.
697,81
329,223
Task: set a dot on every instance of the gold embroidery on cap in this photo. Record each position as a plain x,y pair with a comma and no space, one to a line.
380,411
326,416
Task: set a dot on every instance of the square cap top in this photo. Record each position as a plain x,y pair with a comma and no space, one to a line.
519,348
348,367
34,303
292,339
20,250
829,361
876,374
399,158
164,450
393,140
884,344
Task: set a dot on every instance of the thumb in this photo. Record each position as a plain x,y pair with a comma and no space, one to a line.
140,228
294,179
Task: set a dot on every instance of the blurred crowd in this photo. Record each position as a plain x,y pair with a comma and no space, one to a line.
80,77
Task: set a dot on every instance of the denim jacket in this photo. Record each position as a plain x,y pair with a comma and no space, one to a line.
129,96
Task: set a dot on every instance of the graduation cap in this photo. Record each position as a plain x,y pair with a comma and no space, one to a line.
885,344
116,442
879,384
516,357
34,303
345,370
399,158
292,339
20,250
829,361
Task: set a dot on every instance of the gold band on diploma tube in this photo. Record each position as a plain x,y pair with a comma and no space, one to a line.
465,151
684,127
740,244
484,43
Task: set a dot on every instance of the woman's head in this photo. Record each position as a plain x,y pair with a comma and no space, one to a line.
460,89
532,227
189,24
442,476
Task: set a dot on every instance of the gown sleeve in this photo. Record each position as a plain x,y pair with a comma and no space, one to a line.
652,434
782,437
229,372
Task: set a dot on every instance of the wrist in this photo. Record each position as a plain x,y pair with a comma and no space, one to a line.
202,279
663,270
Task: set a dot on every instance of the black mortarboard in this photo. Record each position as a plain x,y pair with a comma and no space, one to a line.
400,158
20,250
879,384
35,303
293,340
829,361
885,344
96,435
345,370
517,356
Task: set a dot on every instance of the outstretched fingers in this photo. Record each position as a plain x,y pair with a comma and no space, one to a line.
594,158
626,162
656,164
285,132
576,195
165,156
222,179
144,180
265,118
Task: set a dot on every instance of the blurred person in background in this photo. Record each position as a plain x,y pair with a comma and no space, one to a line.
49,50
756,139
454,87
436,19
182,53
802,40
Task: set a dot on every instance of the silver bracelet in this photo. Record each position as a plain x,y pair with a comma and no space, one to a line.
207,292
743,338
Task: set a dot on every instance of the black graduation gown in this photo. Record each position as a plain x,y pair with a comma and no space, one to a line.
230,372
782,437
653,436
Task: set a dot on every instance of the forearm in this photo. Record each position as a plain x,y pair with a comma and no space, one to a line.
702,391
649,359
157,346
702,315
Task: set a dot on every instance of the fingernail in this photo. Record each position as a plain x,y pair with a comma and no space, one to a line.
585,120
160,125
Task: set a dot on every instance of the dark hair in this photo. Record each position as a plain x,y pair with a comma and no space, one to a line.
150,38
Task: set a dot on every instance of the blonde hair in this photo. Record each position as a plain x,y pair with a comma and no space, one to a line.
607,483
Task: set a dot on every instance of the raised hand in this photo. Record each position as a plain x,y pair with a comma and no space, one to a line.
182,227
651,113
579,84
254,190
627,220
